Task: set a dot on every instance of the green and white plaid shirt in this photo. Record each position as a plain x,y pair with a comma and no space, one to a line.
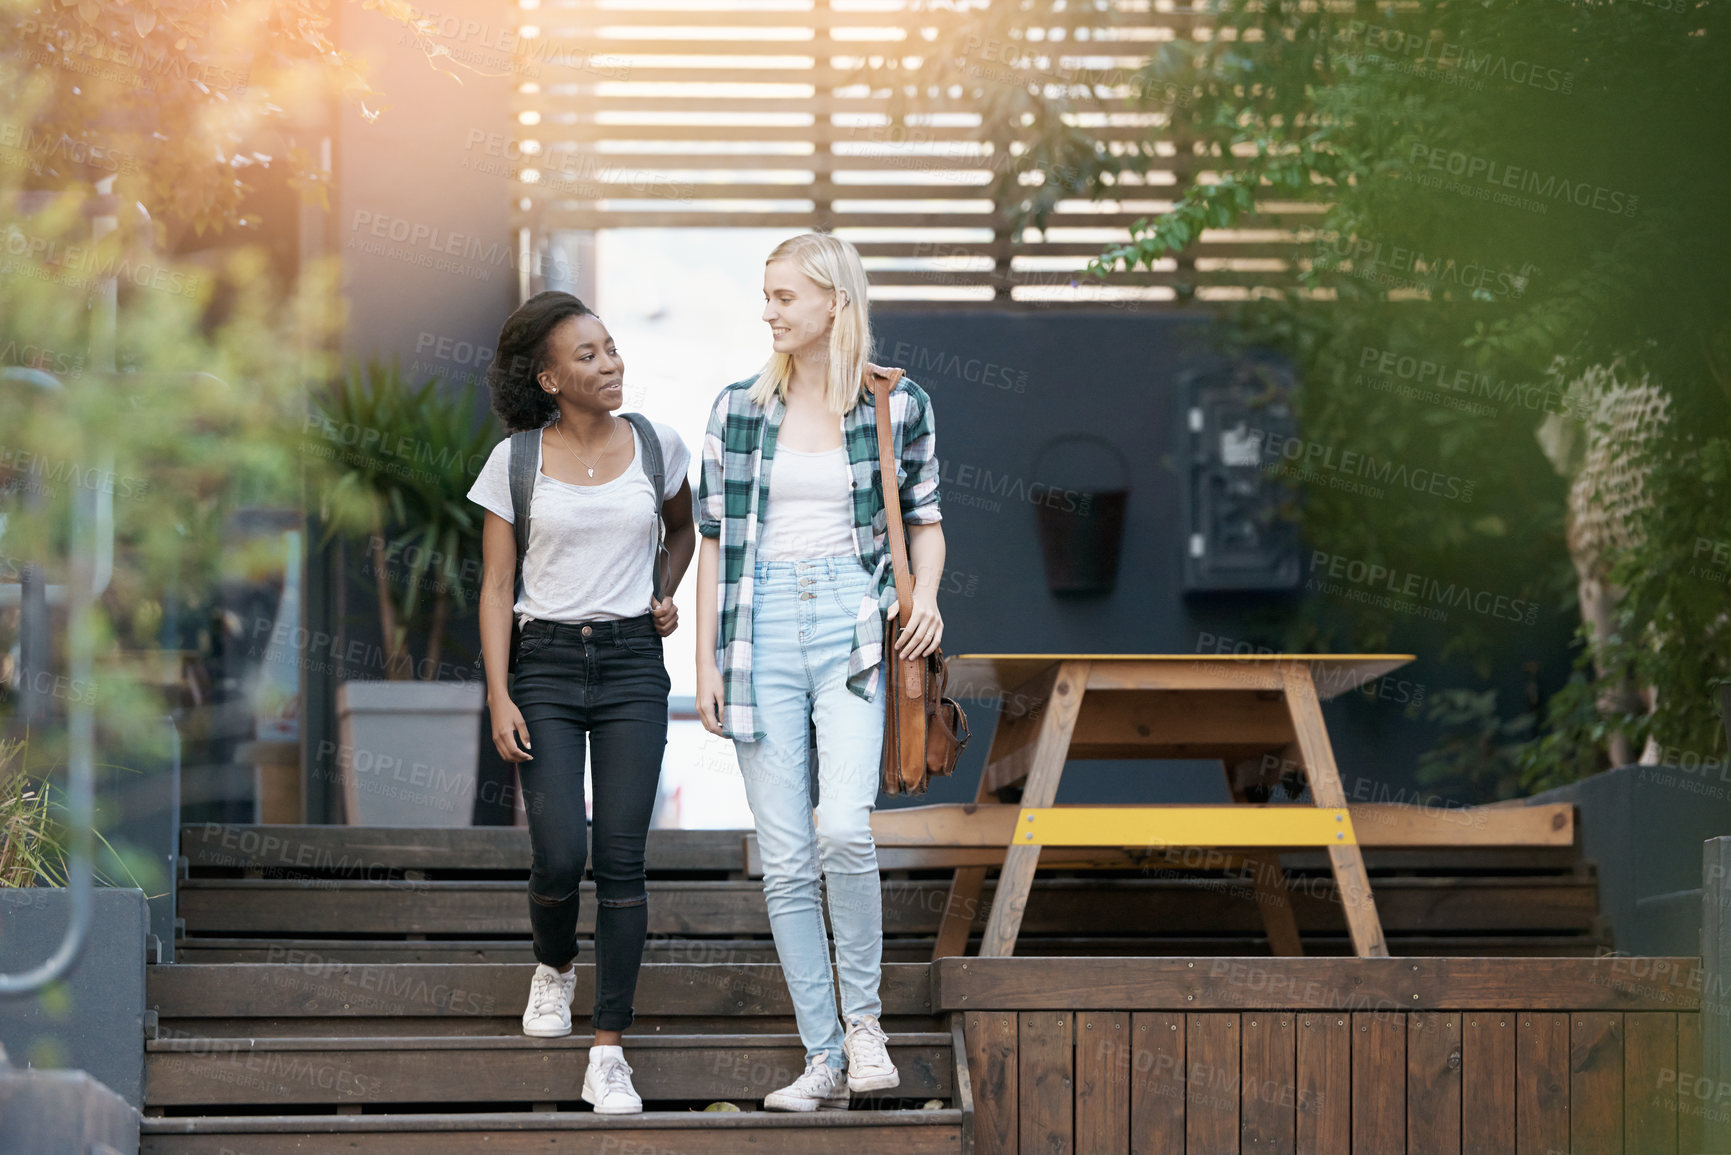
733,498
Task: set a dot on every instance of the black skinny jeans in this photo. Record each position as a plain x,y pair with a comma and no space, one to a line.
605,679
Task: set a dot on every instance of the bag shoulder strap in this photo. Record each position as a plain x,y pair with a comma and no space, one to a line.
525,461
911,681
883,383
653,466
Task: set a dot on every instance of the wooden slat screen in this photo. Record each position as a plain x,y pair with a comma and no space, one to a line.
756,113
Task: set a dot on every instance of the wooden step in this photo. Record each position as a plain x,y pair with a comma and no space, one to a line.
508,1022
223,949
315,987
393,1071
1093,906
576,1132
372,851
659,949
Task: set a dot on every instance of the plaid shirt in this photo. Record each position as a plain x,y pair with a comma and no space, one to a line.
733,499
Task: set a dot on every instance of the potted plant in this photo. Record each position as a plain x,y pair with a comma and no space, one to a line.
92,1017
401,462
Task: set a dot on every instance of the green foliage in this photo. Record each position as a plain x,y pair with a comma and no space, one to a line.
34,835
404,460
1576,730
983,62
181,101
171,388
30,841
1511,193
1507,757
1673,621
1481,745
201,414
203,410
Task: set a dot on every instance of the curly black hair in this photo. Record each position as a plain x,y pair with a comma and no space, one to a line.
521,354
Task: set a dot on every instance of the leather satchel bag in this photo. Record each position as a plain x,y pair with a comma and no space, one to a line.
924,732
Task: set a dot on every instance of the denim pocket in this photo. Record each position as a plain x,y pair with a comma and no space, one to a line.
847,596
643,645
529,644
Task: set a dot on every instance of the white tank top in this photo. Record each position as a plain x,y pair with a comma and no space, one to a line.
810,510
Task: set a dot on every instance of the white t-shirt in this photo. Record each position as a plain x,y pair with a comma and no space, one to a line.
590,546
810,510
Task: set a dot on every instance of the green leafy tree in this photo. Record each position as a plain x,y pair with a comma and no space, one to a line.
179,103
172,386
1525,204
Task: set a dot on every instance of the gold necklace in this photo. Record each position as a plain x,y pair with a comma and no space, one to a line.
559,427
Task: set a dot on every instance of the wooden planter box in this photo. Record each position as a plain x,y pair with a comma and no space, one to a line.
1643,826
93,1019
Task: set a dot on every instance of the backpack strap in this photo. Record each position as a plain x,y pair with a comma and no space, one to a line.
652,465
525,461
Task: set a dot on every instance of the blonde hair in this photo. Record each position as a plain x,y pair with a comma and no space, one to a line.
835,265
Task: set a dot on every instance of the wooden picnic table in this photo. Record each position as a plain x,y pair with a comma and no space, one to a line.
1259,714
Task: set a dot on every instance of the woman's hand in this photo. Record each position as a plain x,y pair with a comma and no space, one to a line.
508,729
666,615
709,697
924,629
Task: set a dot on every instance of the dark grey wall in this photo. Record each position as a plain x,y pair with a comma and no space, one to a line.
421,221
1004,383
423,193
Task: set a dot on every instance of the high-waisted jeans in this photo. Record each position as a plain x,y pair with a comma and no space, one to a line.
802,623
605,679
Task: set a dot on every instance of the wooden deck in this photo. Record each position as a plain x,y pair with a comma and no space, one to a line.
1331,1055
364,997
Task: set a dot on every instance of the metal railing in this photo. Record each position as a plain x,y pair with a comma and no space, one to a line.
90,567
81,730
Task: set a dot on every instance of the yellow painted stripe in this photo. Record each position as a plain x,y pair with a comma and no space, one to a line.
1202,657
1131,826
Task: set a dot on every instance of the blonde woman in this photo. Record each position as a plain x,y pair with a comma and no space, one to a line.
794,581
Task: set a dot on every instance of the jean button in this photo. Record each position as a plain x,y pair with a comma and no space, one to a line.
587,630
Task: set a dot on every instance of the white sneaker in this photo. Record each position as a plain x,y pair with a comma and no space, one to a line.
548,1015
821,1086
607,1083
868,1056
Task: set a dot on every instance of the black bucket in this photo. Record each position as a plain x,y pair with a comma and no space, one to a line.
1081,526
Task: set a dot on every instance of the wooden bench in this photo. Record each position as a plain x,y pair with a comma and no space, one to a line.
275,914
1104,830
351,902
1260,715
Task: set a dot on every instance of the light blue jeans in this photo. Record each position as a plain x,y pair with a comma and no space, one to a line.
802,622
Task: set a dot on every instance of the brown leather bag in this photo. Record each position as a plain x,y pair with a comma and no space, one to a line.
924,732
